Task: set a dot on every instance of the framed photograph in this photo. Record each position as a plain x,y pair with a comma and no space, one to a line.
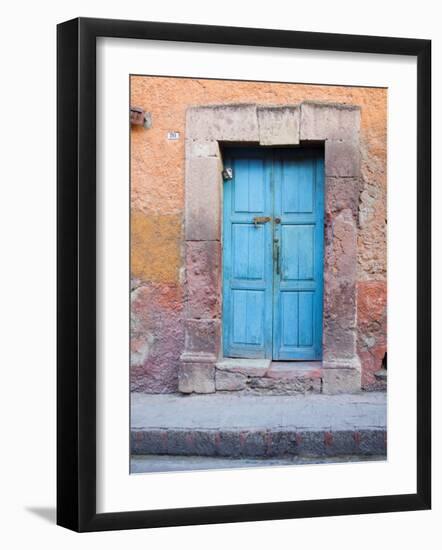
243,241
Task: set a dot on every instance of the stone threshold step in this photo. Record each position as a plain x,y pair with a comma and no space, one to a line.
271,369
262,376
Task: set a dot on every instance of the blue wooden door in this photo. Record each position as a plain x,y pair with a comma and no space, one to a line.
247,255
273,254
298,264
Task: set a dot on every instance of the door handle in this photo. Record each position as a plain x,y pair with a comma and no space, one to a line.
278,269
261,219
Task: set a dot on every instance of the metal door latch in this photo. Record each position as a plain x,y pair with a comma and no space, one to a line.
261,219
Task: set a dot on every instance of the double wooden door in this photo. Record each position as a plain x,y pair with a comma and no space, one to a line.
273,233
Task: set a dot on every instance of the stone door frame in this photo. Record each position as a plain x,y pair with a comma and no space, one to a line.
337,127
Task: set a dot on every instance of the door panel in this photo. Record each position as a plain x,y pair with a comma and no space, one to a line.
297,245
247,256
299,198
296,319
249,185
247,308
298,279
272,272
248,247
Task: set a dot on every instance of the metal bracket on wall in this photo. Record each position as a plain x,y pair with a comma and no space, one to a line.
227,174
139,117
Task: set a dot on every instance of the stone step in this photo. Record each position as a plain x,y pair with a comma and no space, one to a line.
258,426
263,376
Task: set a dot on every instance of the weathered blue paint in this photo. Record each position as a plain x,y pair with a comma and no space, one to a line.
273,272
247,255
298,282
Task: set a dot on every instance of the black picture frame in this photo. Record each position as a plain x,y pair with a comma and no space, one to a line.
76,273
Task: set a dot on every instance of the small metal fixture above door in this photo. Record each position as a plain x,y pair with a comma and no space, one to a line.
227,174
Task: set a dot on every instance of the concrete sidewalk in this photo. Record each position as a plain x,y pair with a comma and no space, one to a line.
259,426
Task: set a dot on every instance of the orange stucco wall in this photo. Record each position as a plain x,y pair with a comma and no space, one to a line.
157,198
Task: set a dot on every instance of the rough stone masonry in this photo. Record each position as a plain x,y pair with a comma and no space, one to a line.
162,257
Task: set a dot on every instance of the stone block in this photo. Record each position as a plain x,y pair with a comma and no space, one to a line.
197,357
203,279
294,370
180,442
204,443
278,386
202,336
203,199
149,442
311,443
342,194
373,442
342,159
282,443
228,443
202,148
337,292
253,444
248,367
136,440
339,321
196,378
344,443
234,122
329,121
279,125
336,379
339,340
229,381
341,247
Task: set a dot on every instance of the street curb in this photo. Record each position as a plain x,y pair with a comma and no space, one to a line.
258,443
